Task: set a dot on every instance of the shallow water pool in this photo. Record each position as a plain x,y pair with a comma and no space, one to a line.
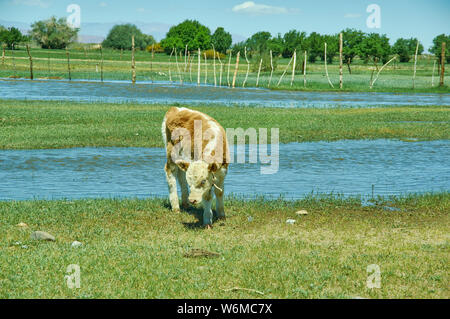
391,167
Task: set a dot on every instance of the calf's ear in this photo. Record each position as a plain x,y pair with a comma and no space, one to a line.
184,165
213,167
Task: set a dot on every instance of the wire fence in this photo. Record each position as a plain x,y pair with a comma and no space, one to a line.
98,64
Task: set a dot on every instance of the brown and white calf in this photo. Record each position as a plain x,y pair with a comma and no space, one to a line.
198,156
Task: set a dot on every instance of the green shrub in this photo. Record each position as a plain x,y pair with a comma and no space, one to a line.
265,66
210,54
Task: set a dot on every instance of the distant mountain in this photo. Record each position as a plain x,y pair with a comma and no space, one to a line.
92,32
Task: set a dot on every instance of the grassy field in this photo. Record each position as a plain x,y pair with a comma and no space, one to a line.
135,249
396,77
34,124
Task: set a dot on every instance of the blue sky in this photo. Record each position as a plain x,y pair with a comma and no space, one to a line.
399,18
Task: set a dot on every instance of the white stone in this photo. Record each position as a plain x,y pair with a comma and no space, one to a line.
76,244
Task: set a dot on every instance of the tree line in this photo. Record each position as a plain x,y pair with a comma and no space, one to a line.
191,35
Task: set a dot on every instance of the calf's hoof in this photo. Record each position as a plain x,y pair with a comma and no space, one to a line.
175,210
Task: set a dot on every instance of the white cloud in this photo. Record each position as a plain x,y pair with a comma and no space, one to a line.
352,15
32,3
140,10
103,4
255,8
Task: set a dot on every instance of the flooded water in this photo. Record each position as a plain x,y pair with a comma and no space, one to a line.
166,93
345,167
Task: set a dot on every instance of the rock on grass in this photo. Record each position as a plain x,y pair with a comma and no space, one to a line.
42,235
195,253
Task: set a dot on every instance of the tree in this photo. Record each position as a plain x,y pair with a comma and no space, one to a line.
276,45
238,47
351,45
293,40
11,36
375,47
437,47
332,42
221,40
53,33
314,45
257,43
405,48
119,37
189,32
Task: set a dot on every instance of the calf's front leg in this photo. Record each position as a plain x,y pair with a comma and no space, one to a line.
207,211
171,171
184,188
220,208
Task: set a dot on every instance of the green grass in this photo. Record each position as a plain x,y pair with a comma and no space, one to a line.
53,63
134,249
35,124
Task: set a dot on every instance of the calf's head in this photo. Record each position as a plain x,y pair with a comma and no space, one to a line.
200,178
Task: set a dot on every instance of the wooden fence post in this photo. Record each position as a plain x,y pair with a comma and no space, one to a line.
259,71
68,63
31,62
133,62
206,68
13,60
3,54
214,66
379,71
271,70
221,70
285,70
432,74
415,65
326,68
170,64
101,63
441,82
151,63
248,67
293,67
199,62
229,63
185,58
236,69
190,60
304,72
341,75
178,69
